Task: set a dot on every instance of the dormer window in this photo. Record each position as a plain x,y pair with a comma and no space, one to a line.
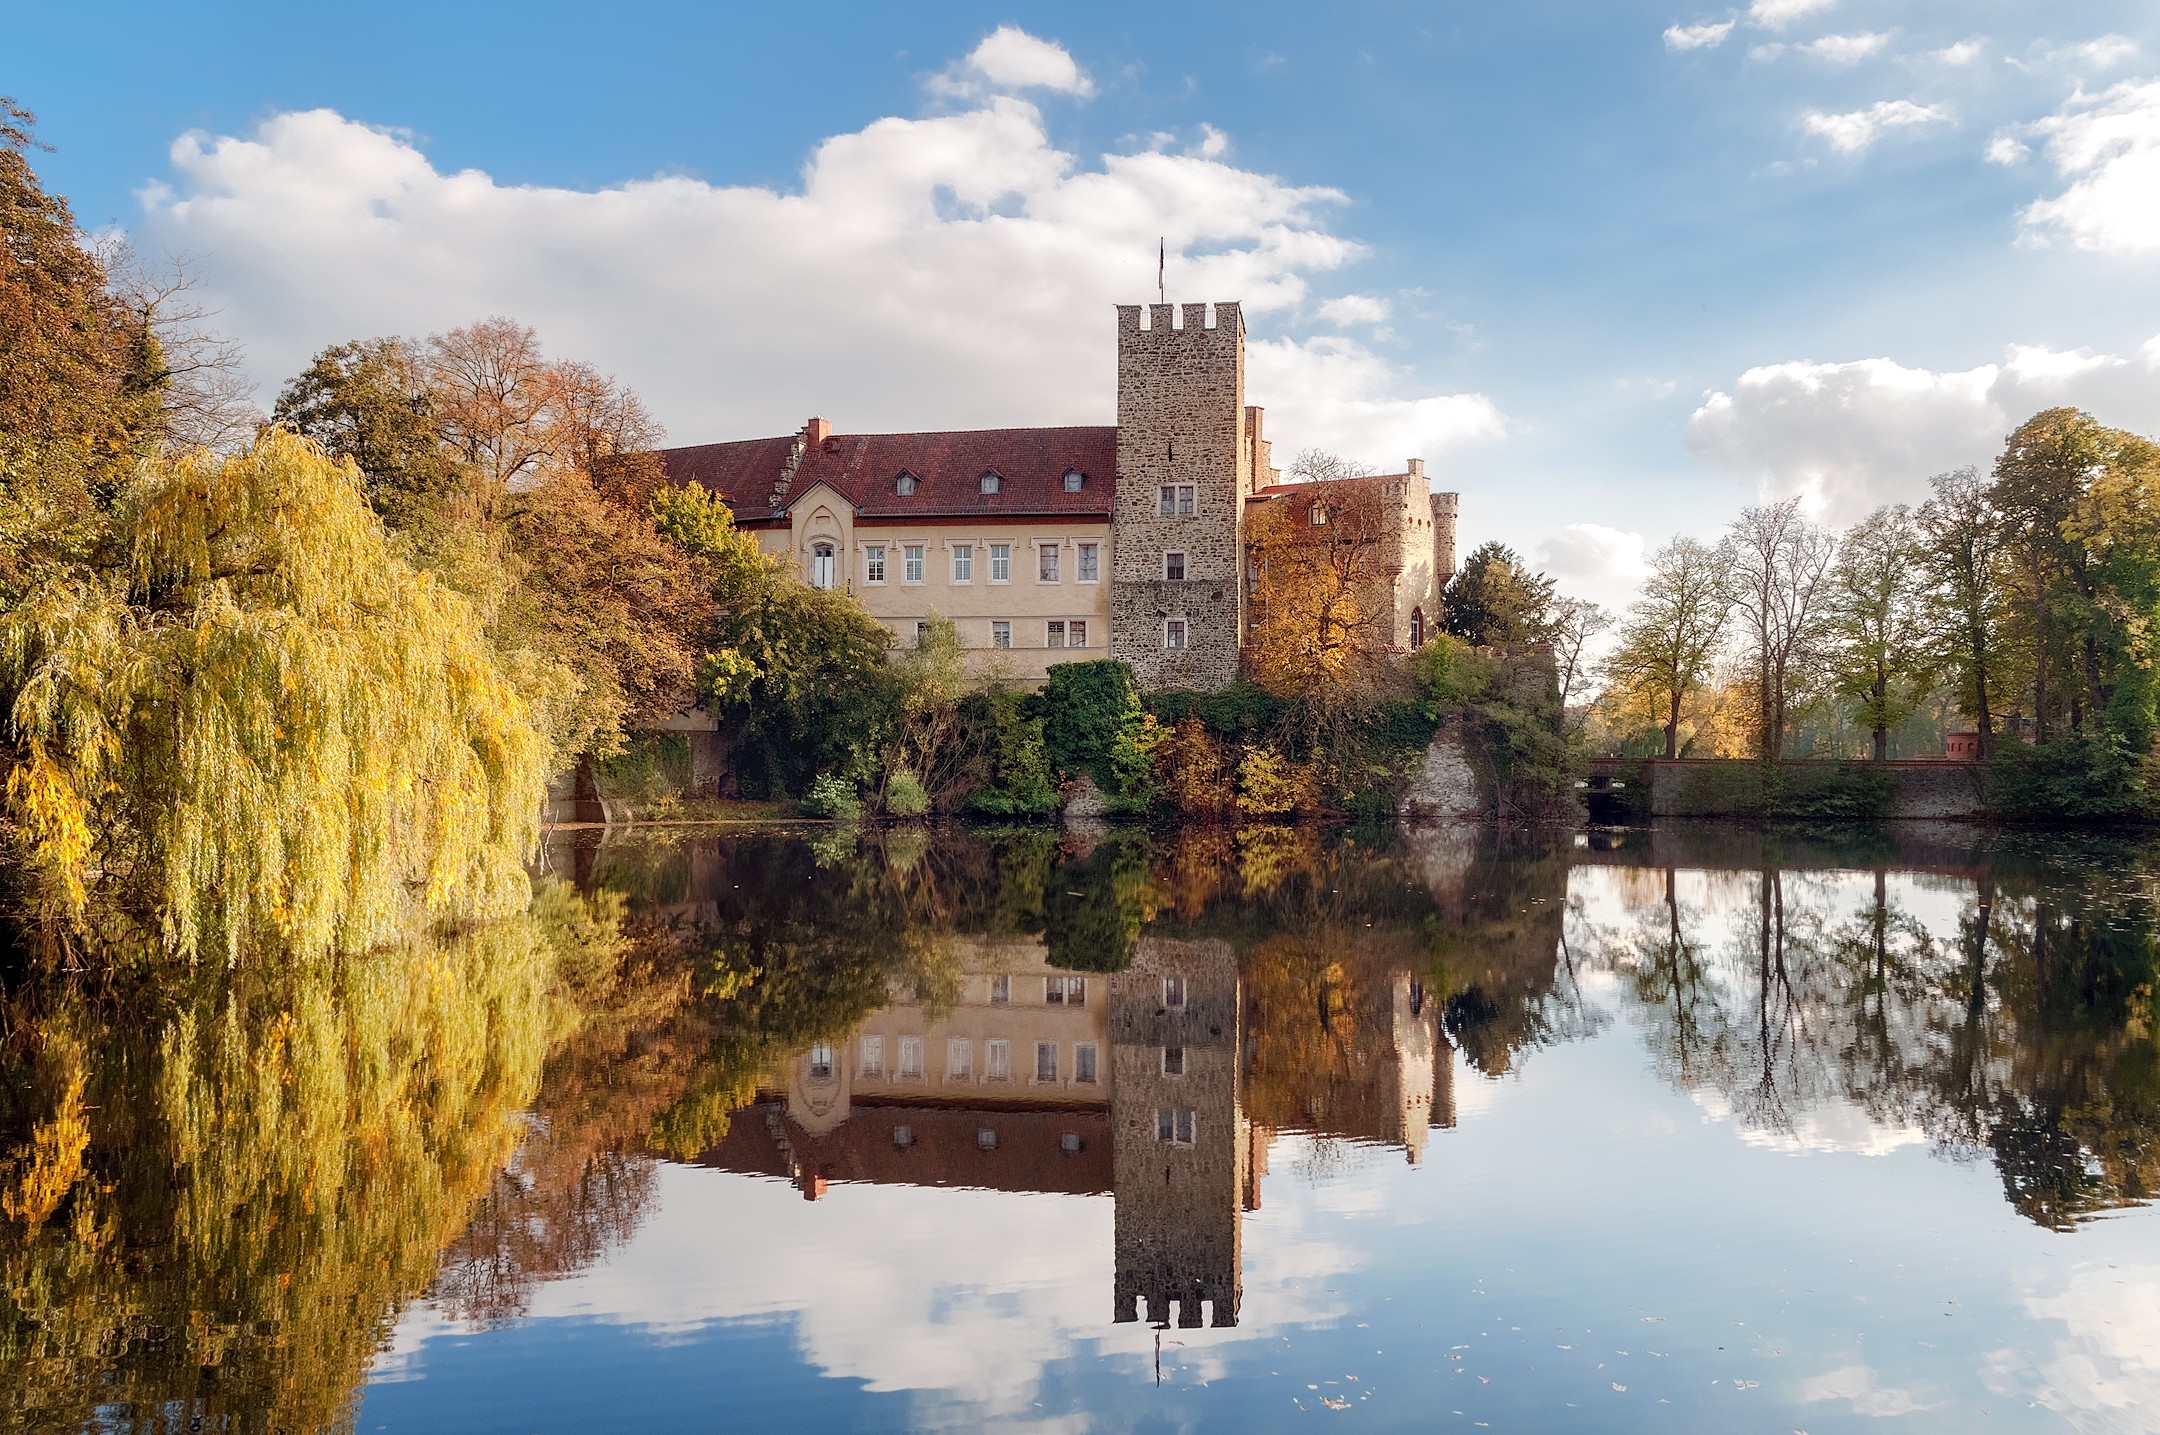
904,485
990,480
1073,479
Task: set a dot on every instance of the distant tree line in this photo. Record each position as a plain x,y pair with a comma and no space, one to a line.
2022,601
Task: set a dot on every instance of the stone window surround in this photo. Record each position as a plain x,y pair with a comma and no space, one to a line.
1183,634
1174,572
1068,557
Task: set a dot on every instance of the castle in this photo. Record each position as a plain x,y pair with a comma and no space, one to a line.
1047,545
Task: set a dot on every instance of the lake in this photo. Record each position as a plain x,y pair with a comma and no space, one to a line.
1687,1129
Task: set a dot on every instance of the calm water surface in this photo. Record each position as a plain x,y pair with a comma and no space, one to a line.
1687,1130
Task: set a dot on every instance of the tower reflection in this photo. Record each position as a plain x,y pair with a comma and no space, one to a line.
1131,1084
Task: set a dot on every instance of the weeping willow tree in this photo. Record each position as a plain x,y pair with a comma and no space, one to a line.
224,1187
249,722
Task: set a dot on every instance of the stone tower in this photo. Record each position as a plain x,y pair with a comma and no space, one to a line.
1184,468
1443,528
1181,1148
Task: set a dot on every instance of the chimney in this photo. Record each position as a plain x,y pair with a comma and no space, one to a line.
817,431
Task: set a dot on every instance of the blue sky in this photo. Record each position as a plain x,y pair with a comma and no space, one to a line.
1615,270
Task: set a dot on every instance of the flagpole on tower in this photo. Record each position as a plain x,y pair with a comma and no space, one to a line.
1162,266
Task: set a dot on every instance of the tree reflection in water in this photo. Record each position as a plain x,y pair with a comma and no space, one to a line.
220,1188
1781,980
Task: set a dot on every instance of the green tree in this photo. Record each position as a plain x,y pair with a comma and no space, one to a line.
368,401
1879,616
2040,480
1496,598
1961,549
1668,643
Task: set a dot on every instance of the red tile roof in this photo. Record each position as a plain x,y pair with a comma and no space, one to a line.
865,468
943,1151
741,473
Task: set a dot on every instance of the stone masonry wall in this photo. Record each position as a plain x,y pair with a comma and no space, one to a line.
1181,419
1443,529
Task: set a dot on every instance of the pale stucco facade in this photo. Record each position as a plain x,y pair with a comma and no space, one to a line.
1016,612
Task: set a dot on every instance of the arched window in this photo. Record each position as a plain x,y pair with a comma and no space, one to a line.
822,563
904,485
1417,627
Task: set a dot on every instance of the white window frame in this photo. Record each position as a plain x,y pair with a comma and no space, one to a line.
1173,991
989,482
1188,500
821,1061
1087,566
1176,1125
1049,1050
871,1061
1176,628
1064,991
997,1059
904,485
1173,565
1048,564
824,564
1087,1063
959,1059
1318,518
911,1059
1074,480
1166,500
874,563
1000,633
1000,990
911,562
1001,563
1054,633
963,563
1173,1061
1076,633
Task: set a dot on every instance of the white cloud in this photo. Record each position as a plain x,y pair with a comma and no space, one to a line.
1349,309
1698,37
2104,53
2108,147
1010,60
2007,149
1854,435
1329,393
1853,131
1777,14
1763,54
1863,1389
1846,49
1964,52
1591,554
2102,1374
950,271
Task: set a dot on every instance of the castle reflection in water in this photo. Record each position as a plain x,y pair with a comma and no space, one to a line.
1132,1083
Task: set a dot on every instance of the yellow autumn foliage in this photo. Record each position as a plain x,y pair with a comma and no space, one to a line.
256,723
